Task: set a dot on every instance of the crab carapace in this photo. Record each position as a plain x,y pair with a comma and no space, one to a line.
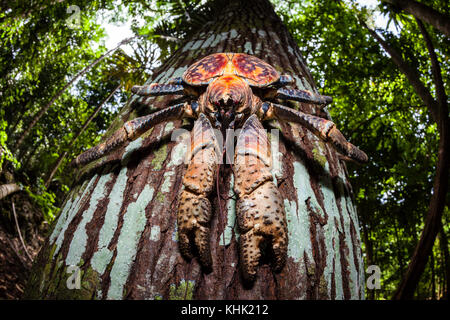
231,91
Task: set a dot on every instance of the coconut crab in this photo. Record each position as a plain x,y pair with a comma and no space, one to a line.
231,91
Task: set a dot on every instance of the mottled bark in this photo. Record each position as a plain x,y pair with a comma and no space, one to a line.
119,223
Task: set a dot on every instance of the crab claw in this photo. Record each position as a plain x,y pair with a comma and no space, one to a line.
250,254
193,217
261,218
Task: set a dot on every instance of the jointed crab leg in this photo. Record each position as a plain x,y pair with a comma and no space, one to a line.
323,128
302,96
131,130
259,210
284,80
158,89
194,211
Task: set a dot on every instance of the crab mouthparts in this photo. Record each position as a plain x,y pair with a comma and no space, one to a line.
227,118
227,101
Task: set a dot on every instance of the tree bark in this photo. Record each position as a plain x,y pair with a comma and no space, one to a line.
119,222
7,189
444,250
423,12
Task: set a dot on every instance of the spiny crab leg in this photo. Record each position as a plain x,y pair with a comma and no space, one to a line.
302,96
323,128
194,210
259,210
158,89
131,130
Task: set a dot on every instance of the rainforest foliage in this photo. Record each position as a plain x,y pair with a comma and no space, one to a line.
60,88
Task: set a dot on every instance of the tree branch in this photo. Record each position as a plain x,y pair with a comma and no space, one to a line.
372,118
410,73
439,112
424,13
7,189
18,231
80,132
435,66
433,219
67,85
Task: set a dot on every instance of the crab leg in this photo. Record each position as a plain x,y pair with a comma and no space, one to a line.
194,211
260,211
284,80
302,96
158,89
323,128
131,130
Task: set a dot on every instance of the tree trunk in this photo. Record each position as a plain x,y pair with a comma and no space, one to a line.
7,189
444,250
439,112
119,222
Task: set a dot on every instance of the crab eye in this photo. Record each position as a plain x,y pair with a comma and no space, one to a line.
194,106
